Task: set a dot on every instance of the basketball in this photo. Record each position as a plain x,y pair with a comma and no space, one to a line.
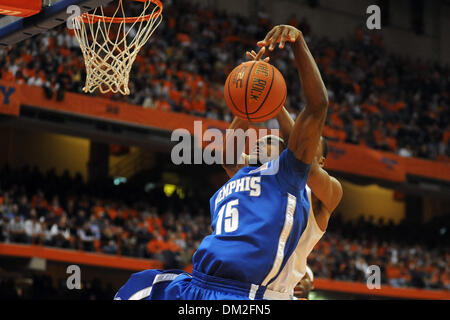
255,91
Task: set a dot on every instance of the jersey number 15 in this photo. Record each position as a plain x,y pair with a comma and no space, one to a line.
231,219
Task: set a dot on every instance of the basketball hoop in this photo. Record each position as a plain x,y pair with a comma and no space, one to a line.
110,44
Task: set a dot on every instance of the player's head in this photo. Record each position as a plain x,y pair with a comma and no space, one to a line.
322,152
266,149
305,285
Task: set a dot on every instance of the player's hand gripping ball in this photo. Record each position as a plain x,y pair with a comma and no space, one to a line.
255,91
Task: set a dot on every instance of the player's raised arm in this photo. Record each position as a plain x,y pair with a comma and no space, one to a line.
303,135
286,123
325,187
307,129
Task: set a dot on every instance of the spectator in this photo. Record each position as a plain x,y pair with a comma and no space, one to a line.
46,238
156,246
87,237
108,241
60,233
33,228
405,151
3,228
16,229
24,208
171,253
95,226
80,219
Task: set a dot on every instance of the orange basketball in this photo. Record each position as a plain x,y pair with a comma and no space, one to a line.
255,91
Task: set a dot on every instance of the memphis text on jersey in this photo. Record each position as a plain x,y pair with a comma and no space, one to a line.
245,184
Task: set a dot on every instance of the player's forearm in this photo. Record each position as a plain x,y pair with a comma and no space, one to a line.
325,187
313,86
286,124
230,144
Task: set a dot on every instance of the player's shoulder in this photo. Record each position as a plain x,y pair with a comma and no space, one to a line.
289,156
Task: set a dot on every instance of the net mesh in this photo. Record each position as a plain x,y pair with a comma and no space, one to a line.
110,44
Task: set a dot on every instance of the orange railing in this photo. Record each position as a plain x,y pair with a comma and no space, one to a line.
134,264
385,290
78,257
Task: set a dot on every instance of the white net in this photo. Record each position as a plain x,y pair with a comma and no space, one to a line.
110,44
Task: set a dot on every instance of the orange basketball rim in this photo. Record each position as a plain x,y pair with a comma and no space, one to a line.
110,44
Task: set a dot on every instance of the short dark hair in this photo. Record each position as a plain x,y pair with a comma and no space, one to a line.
324,147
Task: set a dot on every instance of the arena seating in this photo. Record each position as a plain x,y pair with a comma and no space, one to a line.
378,99
63,211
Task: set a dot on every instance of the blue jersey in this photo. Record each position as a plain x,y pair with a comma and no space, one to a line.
257,219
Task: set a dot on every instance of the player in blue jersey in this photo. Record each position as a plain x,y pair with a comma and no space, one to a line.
258,217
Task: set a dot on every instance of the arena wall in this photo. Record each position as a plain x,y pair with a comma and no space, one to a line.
45,150
370,200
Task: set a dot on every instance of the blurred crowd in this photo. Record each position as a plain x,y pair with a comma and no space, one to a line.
378,99
402,257
67,215
61,211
